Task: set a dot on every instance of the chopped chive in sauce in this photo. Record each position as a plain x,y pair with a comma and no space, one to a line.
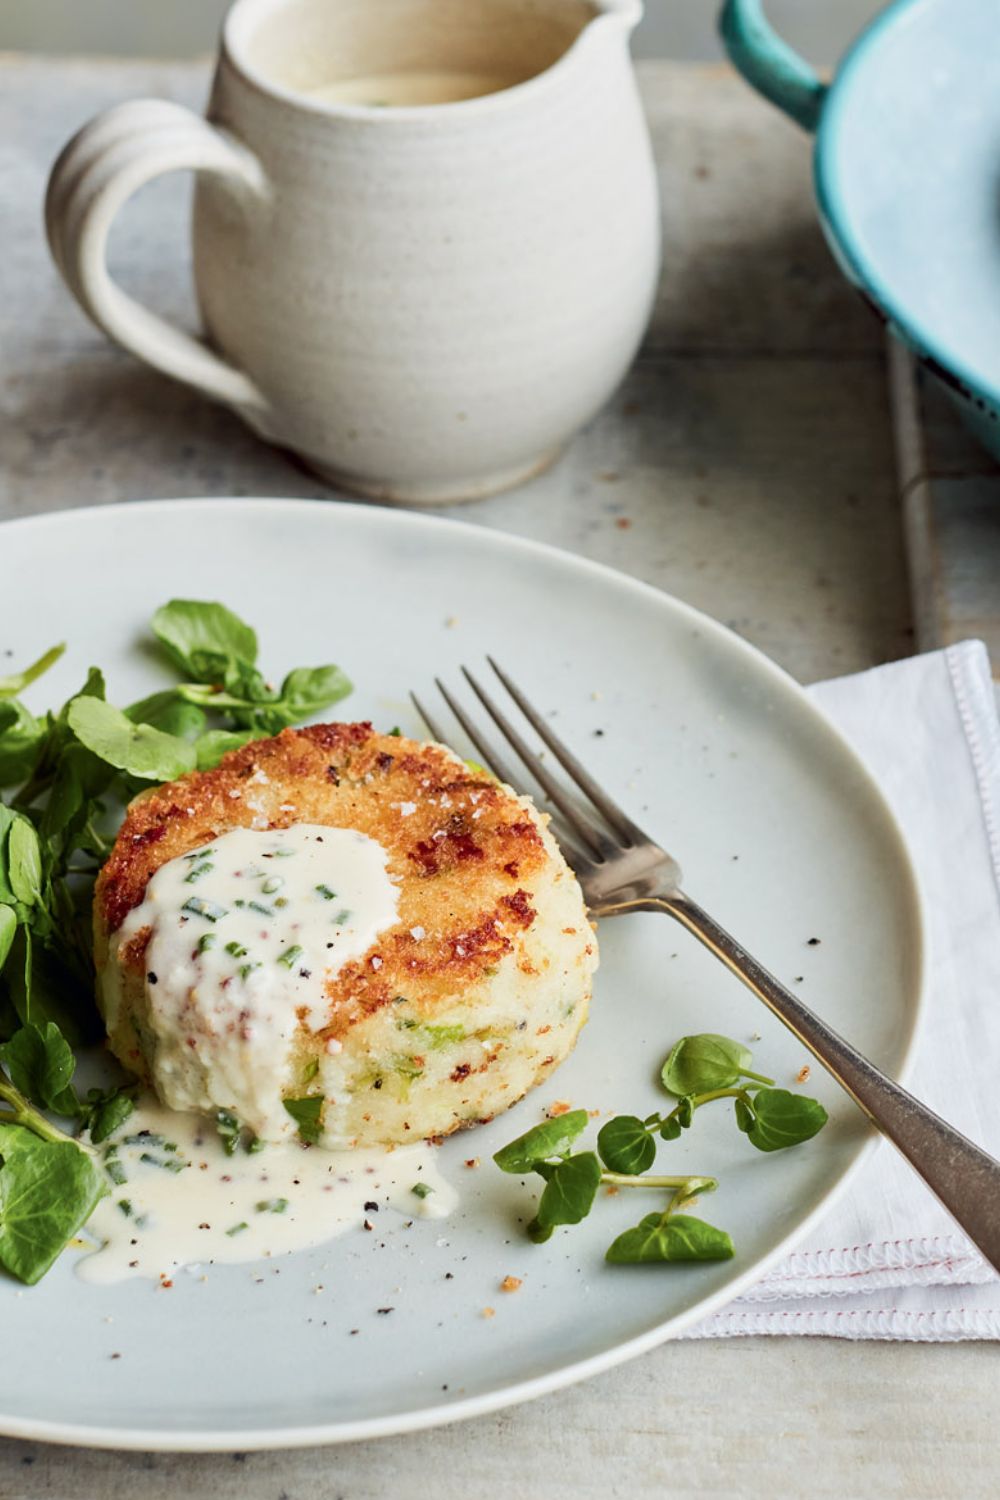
342,916
421,1190
236,949
144,1138
272,1206
125,1207
207,909
247,969
240,903
116,1172
238,1228
265,911
173,1165
284,854
281,901
271,884
200,853
255,1144
290,955
198,872
206,941
326,893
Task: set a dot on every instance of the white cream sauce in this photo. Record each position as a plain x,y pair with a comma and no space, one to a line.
411,86
182,1202
245,933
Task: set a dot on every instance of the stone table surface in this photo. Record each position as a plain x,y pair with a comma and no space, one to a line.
747,465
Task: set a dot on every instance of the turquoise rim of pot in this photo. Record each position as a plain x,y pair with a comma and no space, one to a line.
784,78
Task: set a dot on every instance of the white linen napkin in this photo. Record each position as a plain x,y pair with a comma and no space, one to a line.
888,1262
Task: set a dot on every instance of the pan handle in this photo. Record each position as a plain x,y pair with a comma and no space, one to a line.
769,64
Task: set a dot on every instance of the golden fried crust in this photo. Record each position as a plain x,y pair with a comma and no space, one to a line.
462,849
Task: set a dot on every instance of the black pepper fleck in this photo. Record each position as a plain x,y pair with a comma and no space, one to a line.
813,942
371,1208
382,1311
151,978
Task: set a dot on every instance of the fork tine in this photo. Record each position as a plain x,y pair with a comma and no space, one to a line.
576,856
618,820
437,732
496,762
597,842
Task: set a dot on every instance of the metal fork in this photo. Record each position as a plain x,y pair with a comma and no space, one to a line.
621,869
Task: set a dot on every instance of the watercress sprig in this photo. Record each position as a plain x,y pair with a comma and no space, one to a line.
699,1069
67,775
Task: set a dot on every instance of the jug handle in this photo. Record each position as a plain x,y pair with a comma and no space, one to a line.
769,64
96,173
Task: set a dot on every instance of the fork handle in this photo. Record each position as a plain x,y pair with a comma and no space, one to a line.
964,1177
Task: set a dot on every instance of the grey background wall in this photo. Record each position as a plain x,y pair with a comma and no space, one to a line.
180,28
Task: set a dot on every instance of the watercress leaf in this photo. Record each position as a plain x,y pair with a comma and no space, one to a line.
80,777
8,927
136,748
24,862
625,1145
744,1115
539,1233
307,690
677,1237
7,820
60,732
570,1191
670,1129
307,1115
110,1115
14,684
48,1190
698,1064
186,627
244,680
169,712
21,740
551,1138
42,987
783,1119
41,1065
685,1113
215,743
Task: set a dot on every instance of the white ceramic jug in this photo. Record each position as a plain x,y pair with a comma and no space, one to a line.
423,301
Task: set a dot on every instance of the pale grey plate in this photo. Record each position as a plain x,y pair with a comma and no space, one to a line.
714,750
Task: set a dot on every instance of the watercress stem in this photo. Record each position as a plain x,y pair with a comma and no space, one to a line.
690,1184
25,1114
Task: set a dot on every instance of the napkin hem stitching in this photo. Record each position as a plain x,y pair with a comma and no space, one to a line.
987,776
847,1323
